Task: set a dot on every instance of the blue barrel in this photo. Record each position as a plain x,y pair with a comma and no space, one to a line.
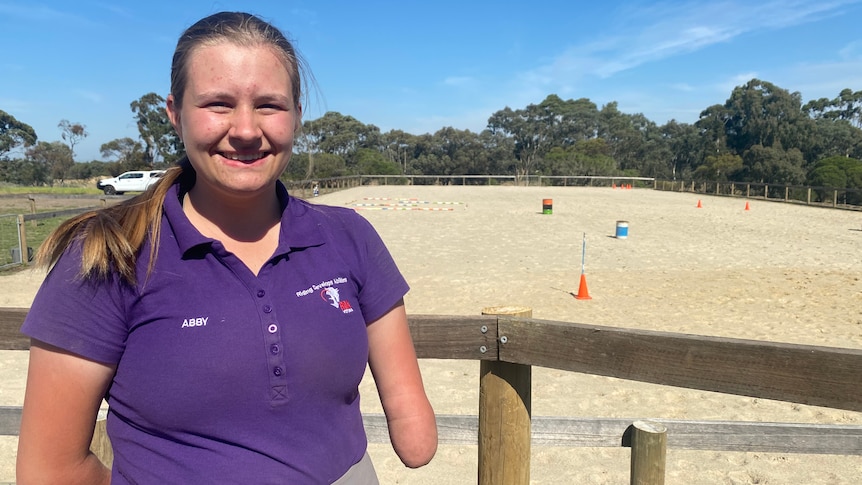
622,229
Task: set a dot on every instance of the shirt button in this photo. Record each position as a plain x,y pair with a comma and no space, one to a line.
277,371
267,309
274,349
273,328
261,293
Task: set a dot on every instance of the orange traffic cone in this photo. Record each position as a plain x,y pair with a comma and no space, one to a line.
747,207
583,293
699,205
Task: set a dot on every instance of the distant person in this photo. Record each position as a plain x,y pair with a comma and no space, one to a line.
227,323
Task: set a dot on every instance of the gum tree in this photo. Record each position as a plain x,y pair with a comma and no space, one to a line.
72,133
14,134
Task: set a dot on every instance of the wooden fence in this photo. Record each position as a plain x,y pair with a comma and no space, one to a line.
305,188
835,198
22,251
508,345
831,197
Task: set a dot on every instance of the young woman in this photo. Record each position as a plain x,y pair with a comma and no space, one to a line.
227,323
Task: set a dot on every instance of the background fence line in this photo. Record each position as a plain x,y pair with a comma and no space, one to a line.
837,198
13,244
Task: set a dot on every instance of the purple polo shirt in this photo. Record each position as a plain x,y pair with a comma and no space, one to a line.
224,376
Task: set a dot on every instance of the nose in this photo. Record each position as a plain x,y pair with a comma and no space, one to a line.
244,124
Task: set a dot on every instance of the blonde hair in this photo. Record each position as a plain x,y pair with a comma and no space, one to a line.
111,238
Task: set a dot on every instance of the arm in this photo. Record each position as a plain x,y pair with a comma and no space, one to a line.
412,427
63,395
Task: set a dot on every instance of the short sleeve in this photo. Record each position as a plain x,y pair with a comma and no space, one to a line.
382,283
82,316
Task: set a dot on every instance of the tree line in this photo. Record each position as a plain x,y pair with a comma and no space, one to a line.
762,133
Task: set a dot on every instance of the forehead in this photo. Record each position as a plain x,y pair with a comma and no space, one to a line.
226,48
227,61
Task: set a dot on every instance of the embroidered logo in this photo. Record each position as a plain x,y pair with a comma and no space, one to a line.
328,291
330,294
195,322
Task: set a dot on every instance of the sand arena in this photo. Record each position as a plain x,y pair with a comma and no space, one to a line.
777,272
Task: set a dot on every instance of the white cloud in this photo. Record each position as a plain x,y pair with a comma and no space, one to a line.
474,120
685,87
89,95
40,13
459,81
116,10
823,80
18,108
726,86
652,33
852,50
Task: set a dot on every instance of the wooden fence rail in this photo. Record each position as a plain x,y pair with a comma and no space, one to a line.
589,432
822,376
833,197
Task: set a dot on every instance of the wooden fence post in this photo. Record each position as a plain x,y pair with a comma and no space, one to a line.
504,415
22,239
32,208
649,447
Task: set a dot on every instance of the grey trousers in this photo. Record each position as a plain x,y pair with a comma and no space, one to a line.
361,473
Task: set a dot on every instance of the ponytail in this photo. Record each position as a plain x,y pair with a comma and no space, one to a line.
111,238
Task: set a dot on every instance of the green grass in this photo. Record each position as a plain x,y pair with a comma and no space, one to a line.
36,232
16,189
8,238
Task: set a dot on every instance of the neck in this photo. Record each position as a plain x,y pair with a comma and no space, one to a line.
245,220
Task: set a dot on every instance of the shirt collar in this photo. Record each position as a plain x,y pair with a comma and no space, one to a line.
299,227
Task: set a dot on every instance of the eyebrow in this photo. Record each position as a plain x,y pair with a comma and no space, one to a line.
278,98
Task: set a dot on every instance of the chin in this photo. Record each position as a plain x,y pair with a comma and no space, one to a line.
251,189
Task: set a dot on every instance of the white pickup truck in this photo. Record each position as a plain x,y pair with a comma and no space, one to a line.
135,181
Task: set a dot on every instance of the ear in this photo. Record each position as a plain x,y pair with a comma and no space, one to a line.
298,119
173,110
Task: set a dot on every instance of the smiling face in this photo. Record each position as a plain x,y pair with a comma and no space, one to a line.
237,118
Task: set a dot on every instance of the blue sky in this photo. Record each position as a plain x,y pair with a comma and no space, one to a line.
421,66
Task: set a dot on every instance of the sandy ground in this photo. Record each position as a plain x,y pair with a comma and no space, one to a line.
776,272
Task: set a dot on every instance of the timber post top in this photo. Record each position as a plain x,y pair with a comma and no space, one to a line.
514,311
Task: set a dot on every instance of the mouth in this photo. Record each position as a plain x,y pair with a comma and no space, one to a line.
244,157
